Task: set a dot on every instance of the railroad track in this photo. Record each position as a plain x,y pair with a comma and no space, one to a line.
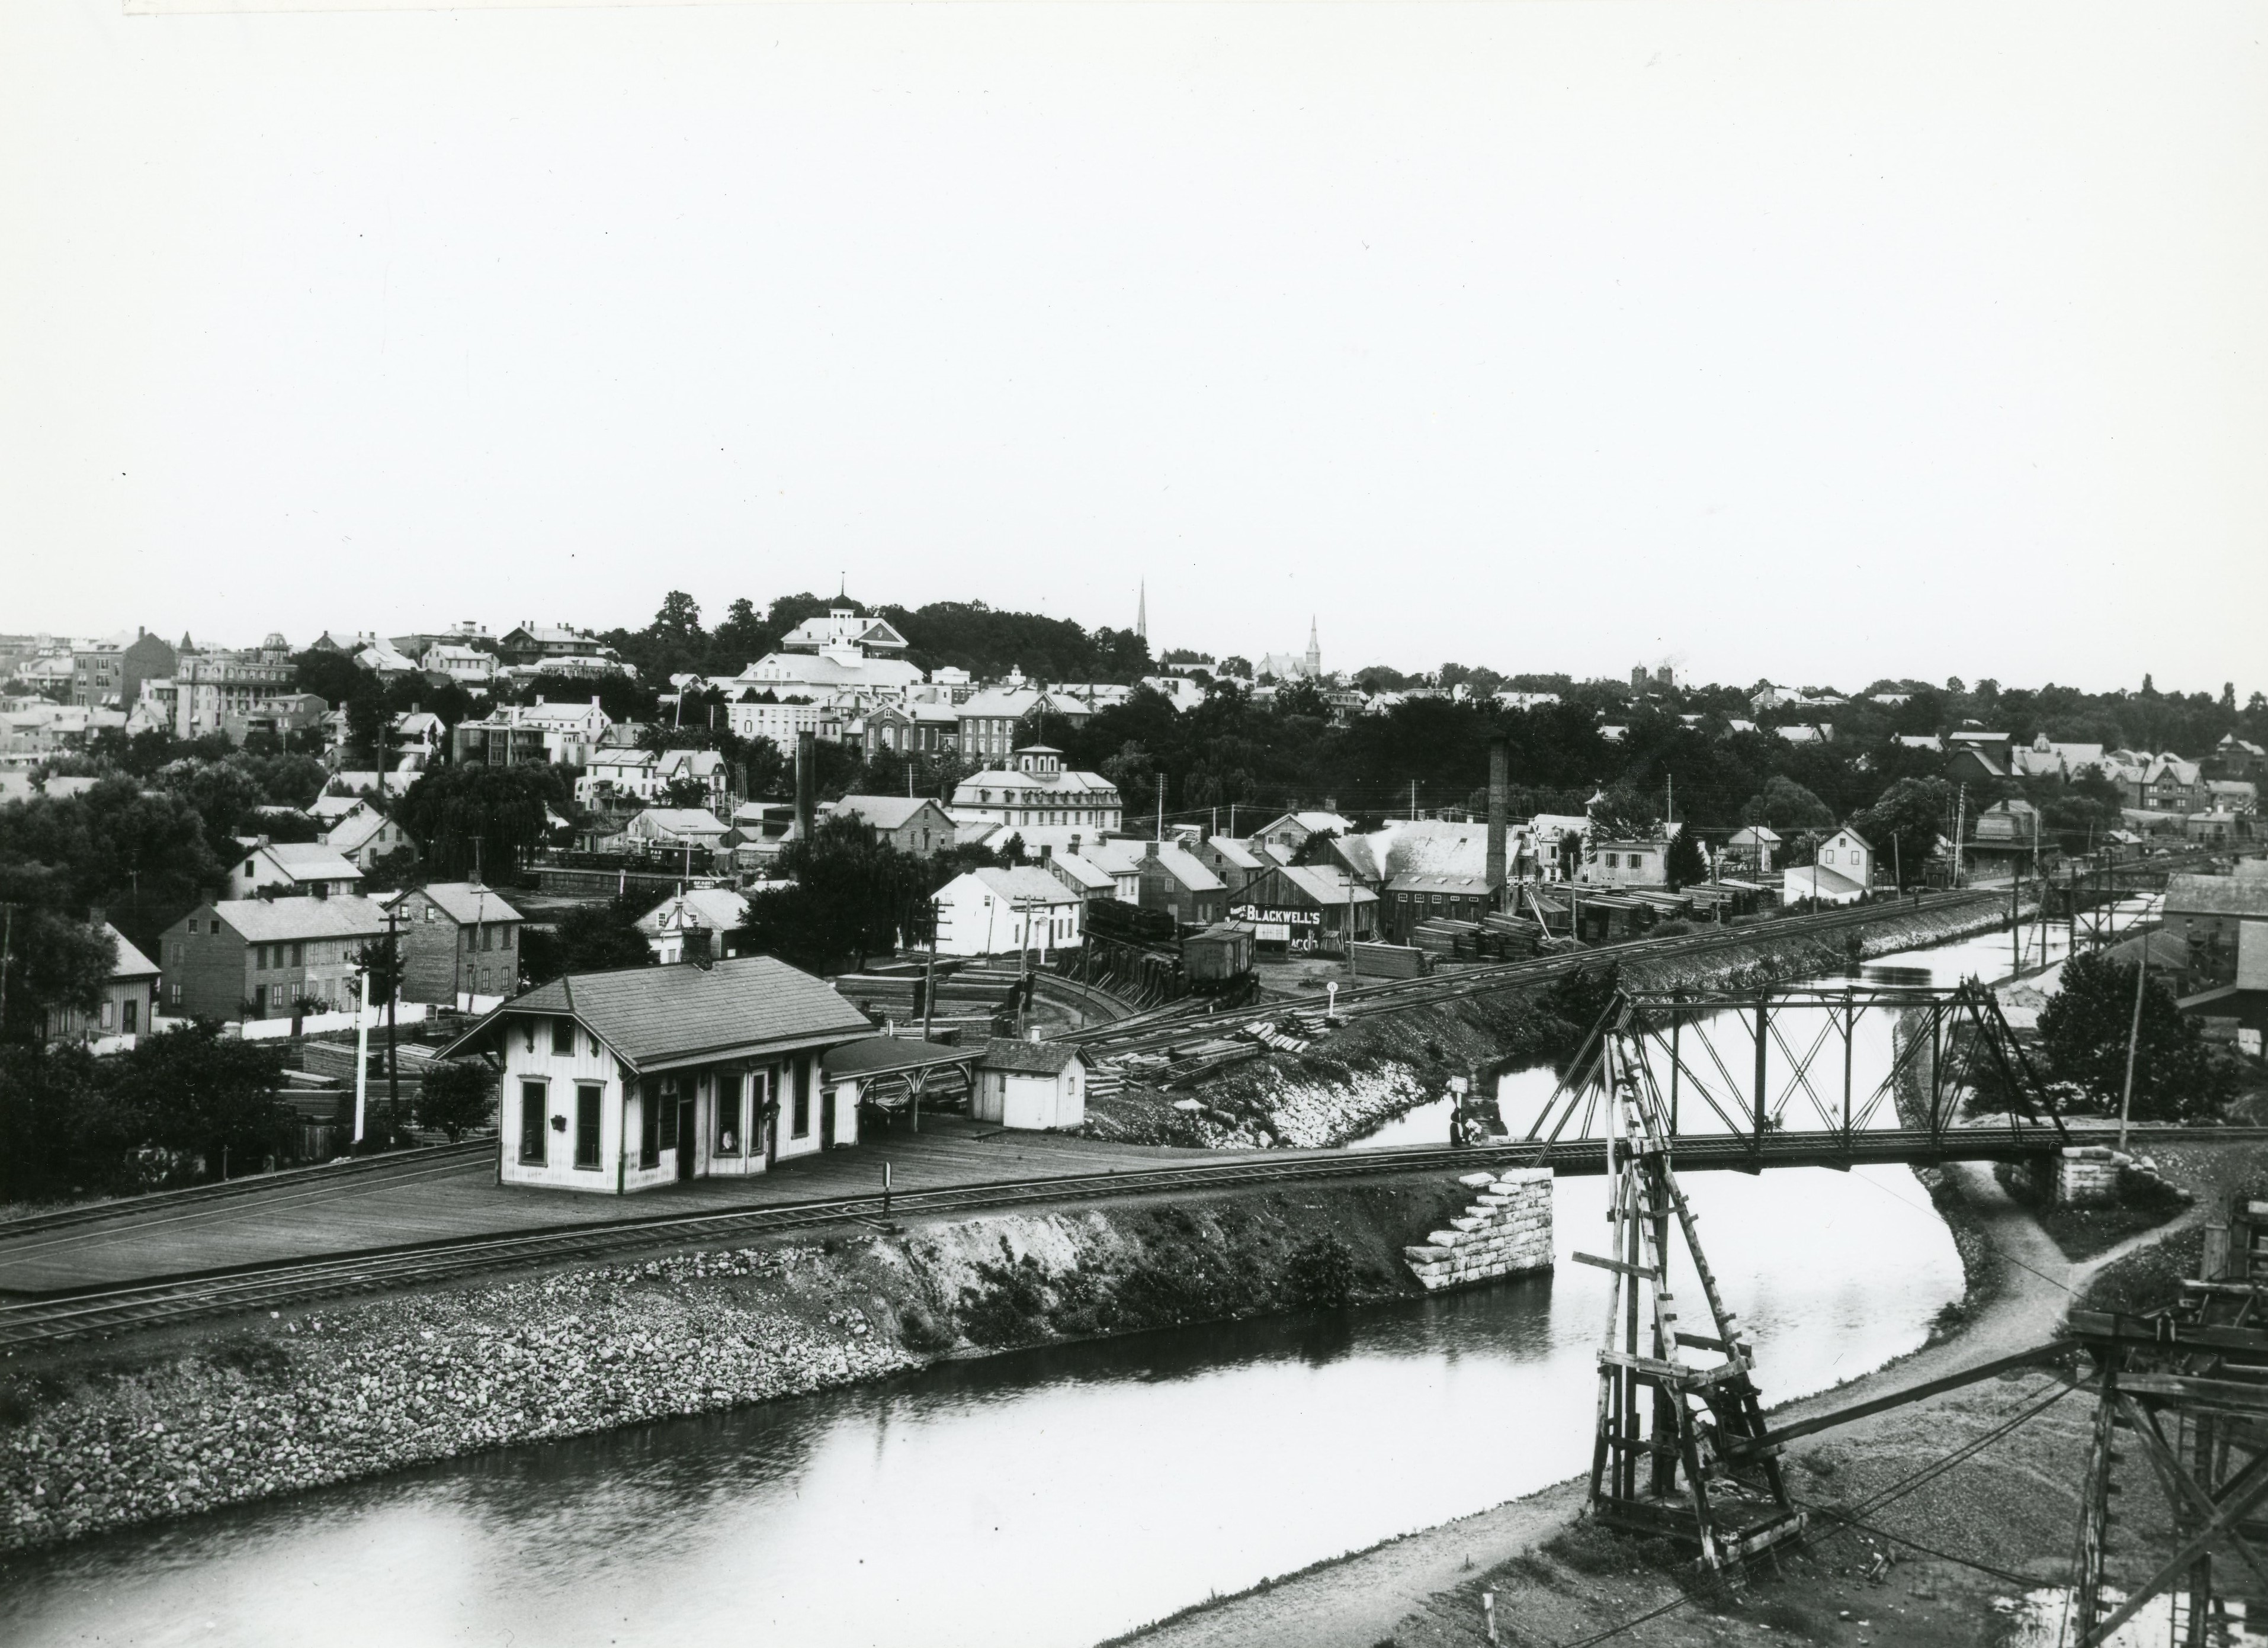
1359,1000
35,1320
358,1171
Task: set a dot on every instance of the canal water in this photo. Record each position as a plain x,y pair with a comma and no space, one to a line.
1050,1497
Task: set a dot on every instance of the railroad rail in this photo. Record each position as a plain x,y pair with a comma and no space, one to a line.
359,1169
1356,1001
28,1320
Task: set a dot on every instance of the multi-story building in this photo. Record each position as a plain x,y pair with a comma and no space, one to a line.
208,688
517,735
539,643
988,719
1037,790
109,674
469,665
268,958
459,939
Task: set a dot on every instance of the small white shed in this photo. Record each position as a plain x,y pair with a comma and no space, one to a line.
1038,1084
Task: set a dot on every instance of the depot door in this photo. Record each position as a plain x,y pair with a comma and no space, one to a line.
687,1137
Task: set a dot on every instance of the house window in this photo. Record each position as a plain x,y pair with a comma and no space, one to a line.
562,1037
587,1098
533,1105
671,1098
650,1125
298,955
728,1115
504,938
1828,856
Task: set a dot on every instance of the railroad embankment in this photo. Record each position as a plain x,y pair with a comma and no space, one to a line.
1380,1066
105,1436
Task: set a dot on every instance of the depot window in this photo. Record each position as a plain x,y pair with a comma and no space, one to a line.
588,1096
728,1115
533,1104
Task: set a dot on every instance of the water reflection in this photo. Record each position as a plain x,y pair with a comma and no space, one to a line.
1048,1496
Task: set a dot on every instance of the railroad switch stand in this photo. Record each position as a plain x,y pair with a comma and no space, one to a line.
1680,1449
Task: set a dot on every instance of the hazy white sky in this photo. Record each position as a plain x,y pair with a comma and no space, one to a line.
1811,341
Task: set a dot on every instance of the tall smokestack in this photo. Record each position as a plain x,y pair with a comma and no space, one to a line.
1498,804
807,782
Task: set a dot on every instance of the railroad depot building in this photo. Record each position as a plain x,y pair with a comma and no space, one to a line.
624,1081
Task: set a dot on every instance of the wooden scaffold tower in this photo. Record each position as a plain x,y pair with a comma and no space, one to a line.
2187,1389
1681,1448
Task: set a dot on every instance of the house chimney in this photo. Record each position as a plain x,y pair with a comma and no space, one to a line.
700,946
1499,803
806,782
1047,855
1149,850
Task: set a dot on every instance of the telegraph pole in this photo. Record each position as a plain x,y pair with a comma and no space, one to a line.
2133,1041
393,995
7,953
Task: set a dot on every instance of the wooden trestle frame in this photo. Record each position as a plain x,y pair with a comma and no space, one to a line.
1662,1416
2190,1387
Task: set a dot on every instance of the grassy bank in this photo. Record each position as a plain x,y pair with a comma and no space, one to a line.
108,1435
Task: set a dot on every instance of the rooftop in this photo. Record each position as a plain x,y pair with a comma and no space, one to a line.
658,1018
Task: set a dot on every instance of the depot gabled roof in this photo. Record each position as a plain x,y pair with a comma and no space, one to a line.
662,1018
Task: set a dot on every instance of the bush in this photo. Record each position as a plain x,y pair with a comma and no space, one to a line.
1320,1275
457,1096
1010,1306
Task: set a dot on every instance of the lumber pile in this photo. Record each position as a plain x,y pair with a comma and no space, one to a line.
1388,960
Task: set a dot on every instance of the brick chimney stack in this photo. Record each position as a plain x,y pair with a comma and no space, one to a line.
1499,803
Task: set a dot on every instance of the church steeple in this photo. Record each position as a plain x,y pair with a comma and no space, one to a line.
1142,610
1314,649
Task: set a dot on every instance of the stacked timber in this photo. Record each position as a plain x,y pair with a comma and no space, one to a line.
1505,1231
1440,938
965,995
1388,960
1509,938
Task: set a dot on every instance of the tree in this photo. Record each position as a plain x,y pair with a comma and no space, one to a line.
1785,804
1683,865
204,1096
589,938
2084,1030
59,1132
457,1096
1903,825
55,964
491,818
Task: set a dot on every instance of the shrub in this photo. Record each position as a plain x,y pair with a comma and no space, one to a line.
1320,1276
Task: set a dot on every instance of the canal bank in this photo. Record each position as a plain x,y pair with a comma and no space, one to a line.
1358,1078
102,1436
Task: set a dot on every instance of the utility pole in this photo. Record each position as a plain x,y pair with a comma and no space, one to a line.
2133,1041
929,985
1413,800
1162,806
1960,808
362,1049
393,995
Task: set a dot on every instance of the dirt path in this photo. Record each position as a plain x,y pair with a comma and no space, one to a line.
1423,1589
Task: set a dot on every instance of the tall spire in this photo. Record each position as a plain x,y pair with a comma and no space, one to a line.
1142,611
1314,649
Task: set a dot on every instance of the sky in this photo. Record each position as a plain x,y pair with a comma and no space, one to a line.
1813,341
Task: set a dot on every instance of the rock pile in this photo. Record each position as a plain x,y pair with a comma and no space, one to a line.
1505,1231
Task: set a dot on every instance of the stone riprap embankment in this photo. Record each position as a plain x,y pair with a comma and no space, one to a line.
1384,1065
1507,1230
108,1434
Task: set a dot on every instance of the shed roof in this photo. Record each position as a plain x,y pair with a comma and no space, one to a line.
887,813
2218,895
131,963
1233,851
877,1055
658,1018
1034,1058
